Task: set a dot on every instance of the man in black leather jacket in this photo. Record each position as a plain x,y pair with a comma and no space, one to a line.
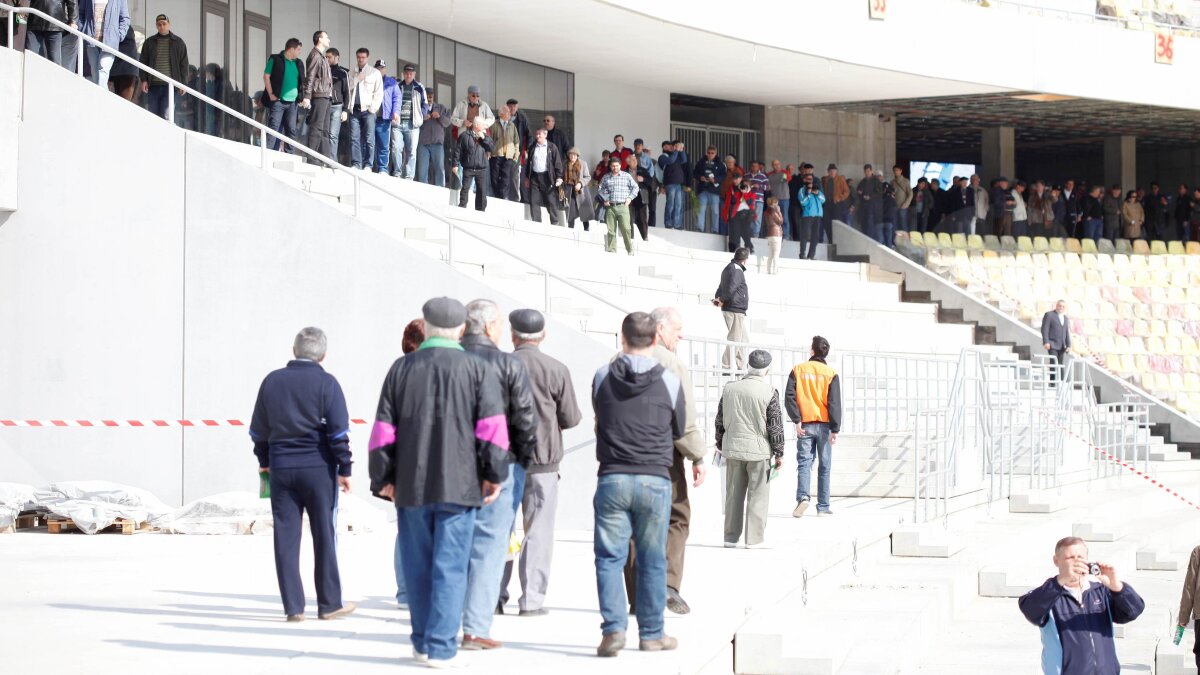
494,523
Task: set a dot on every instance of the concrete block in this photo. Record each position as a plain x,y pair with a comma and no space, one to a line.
1154,623
924,541
1158,559
1176,659
782,117
762,652
652,272
816,120
1036,501
1001,583
1091,531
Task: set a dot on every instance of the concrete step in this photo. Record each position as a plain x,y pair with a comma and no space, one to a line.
426,234
1035,501
1176,659
924,541
1154,623
652,272
1001,582
1099,531
1159,558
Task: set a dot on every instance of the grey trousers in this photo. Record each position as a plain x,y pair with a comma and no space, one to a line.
747,497
736,323
539,506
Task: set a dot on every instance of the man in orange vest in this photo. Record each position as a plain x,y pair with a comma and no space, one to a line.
814,404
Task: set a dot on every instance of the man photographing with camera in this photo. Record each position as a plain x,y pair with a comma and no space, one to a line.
1076,611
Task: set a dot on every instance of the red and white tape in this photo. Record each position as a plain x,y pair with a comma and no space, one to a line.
134,423
1119,462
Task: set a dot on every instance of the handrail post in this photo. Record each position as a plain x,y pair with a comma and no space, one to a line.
78,55
546,288
171,104
11,16
450,243
357,195
262,141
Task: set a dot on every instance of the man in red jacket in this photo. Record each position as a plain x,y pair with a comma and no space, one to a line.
738,211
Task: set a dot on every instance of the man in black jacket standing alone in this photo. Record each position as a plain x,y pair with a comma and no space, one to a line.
471,153
733,297
300,430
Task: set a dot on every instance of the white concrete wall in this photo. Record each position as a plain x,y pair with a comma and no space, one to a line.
174,298
605,108
10,112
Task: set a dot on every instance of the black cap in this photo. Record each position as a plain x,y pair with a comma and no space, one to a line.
527,321
161,17
760,358
831,167
380,63
512,101
410,68
1001,178
638,141
444,313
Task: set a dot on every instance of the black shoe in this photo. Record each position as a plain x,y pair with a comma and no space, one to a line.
500,608
676,603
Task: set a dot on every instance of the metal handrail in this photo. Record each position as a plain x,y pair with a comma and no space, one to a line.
264,131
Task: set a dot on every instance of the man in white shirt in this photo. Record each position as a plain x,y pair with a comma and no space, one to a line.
545,175
366,96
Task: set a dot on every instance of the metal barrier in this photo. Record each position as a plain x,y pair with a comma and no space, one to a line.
882,392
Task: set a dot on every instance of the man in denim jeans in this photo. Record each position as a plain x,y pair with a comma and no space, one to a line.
640,412
814,404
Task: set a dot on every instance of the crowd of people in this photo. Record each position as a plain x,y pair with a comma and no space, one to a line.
467,435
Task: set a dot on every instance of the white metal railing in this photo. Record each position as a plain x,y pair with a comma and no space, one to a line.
358,180
1123,22
882,392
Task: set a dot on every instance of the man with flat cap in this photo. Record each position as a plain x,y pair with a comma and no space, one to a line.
749,435
554,400
447,409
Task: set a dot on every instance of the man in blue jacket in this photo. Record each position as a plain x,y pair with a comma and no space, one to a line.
389,116
301,433
676,176
1076,611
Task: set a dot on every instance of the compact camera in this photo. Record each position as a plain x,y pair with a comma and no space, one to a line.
1094,569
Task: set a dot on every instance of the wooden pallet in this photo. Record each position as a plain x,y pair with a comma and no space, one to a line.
57,525
26,521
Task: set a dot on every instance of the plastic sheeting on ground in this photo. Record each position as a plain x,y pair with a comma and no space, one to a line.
246,513
94,505
14,498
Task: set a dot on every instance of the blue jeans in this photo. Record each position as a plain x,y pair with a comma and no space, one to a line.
673,213
1093,228
383,145
709,201
431,164
756,229
885,233
437,544
404,149
362,139
902,219
283,120
639,506
49,44
156,99
813,445
101,63
401,586
784,205
489,548
335,129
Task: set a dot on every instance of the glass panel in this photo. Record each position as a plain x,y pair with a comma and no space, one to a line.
257,51
299,21
185,22
408,42
212,120
570,91
475,67
335,20
137,18
556,90
523,81
262,7
443,55
377,35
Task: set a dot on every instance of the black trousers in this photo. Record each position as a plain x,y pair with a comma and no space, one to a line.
294,491
1059,356
810,234
740,228
502,185
469,176
652,203
542,193
318,127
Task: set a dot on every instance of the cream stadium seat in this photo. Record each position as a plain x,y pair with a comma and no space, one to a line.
1023,260
1120,261
1191,382
1073,245
991,242
1192,248
931,240
1154,345
1176,248
1041,244
1088,245
951,241
1104,262
1158,247
1121,344
916,239
1172,345
975,242
1158,329
1024,243
1056,244
1123,246
1140,247
1106,246
1088,260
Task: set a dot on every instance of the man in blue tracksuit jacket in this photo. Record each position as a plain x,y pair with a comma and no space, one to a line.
1076,612
301,433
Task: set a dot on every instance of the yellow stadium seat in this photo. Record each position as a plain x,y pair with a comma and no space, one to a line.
1126,365
1056,244
1072,260
1158,247
1106,246
958,240
1007,243
1140,247
1089,260
989,256
1073,245
931,240
1193,248
991,242
1024,244
901,238
1120,261
1089,245
1040,244
975,242
1039,260
1176,248
916,239
1023,259
1172,345
1123,246
1154,345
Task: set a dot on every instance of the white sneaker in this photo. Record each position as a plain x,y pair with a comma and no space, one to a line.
419,657
457,662
731,544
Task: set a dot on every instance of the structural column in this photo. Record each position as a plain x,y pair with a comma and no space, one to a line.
999,153
1120,161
